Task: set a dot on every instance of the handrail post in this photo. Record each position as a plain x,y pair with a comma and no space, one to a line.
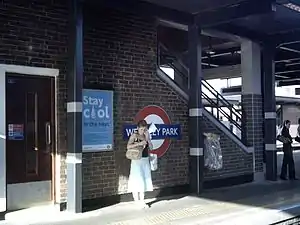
158,55
218,113
231,119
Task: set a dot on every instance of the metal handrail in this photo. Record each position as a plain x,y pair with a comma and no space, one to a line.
217,103
174,55
291,221
204,82
223,100
219,98
231,120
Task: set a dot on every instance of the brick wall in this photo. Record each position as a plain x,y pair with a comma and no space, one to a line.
235,161
120,50
253,126
34,33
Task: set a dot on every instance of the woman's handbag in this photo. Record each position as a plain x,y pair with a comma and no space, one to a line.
135,153
283,139
297,139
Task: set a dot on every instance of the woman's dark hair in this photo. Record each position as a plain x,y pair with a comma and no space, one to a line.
287,122
142,123
299,121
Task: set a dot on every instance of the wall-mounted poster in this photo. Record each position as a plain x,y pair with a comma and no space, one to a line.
97,120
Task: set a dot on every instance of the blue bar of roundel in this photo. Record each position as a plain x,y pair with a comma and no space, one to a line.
163,131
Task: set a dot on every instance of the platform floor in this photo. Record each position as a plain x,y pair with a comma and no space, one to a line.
255,203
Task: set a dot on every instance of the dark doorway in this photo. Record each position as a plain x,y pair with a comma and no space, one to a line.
30,128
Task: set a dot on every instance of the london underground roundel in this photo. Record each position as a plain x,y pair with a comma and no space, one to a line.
157,116
160,128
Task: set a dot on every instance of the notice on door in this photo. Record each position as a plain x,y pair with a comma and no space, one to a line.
16,132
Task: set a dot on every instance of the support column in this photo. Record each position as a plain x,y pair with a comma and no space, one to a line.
252,107
195,111
74,110
269,111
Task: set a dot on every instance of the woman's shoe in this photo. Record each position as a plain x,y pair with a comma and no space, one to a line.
141,205
145,206
283,178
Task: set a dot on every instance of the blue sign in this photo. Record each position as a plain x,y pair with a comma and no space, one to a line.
16,132
163,131
97,120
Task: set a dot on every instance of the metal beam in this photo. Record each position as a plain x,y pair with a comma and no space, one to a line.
196,159
288,72
290,49
289,60
235,71
269,104
286,78
74,109
147,9
205,32
288,37
220,34
289,82
215,17
223,72
243,32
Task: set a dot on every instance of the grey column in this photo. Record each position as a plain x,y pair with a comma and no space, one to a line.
252,107
270,111
74,110
195,111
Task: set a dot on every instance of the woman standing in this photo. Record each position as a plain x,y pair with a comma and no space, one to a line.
140,179
288,160
298,131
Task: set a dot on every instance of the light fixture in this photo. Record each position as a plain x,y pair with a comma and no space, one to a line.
292,6
211,52
209,64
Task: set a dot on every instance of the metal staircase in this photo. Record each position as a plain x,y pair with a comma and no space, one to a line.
226,115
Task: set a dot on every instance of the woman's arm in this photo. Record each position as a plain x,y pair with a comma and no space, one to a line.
131,142
147,136
285,133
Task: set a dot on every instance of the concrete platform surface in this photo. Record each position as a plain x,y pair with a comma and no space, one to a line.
255,203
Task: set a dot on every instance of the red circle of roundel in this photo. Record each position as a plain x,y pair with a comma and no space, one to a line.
156,110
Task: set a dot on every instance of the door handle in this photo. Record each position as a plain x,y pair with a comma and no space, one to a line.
48,133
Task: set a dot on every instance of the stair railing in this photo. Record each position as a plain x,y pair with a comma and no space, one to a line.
216,100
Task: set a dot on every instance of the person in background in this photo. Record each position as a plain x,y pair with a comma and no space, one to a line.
288,160
298,130
140,179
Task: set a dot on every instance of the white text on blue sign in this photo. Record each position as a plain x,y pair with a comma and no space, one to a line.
163,131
